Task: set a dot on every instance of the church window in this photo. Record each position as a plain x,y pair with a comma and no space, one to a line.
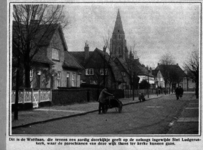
120,51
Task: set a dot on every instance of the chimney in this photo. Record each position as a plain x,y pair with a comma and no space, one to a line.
104,49
86,51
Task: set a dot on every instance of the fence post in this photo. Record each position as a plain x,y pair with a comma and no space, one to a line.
39,95
50,95
23,97
32,95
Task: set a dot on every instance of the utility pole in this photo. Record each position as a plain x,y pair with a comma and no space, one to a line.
133,86
104,70
148,84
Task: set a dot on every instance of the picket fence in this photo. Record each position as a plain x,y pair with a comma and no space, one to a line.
32,96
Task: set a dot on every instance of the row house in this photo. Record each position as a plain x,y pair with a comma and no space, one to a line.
101,69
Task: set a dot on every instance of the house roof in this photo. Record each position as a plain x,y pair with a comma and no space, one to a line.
115,69
41,36
70,61
139,68
124,64
41,58
154,72
80,56
41,33
170,68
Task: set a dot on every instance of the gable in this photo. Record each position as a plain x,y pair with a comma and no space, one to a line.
95,61
58,40
166,69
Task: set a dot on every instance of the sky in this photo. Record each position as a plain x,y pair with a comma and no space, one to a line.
154,28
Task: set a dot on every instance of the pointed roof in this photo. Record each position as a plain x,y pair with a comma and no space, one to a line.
118,28
71,62
165,69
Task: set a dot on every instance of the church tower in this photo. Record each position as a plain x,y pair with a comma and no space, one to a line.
118,42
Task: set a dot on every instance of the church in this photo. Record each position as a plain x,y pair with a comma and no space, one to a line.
118,47
107,69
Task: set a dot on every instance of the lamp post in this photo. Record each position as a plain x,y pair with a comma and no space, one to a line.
148,84
133,85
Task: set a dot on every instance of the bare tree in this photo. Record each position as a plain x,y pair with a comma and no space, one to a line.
131,62
31,24
107,59
169,75
192,66
167,59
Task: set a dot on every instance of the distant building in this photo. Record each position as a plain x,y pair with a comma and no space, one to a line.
189,82
172,75
158,79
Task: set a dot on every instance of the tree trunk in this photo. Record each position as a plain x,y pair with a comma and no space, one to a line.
17,90
27,75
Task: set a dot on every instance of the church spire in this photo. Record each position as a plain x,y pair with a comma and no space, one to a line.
118,28
118,42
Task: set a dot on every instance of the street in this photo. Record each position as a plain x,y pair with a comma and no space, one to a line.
164,115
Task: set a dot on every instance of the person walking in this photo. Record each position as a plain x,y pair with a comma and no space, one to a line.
102,100
181,91
177,92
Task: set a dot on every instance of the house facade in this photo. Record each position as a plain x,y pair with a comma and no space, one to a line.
101,69
171,75
53,66
158,79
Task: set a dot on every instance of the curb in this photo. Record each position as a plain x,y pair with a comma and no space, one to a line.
54,119
75,115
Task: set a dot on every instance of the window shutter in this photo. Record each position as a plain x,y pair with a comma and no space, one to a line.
92,71
78,80
86,71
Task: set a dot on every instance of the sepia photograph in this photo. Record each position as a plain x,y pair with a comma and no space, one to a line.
103,69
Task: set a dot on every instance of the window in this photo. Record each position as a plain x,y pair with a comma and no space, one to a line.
31,73
58,79
68,78
78,80
120,51
102,71
123,73
55,54
89,71
74,80
31,77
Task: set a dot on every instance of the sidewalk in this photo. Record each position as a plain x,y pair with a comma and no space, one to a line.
45,114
